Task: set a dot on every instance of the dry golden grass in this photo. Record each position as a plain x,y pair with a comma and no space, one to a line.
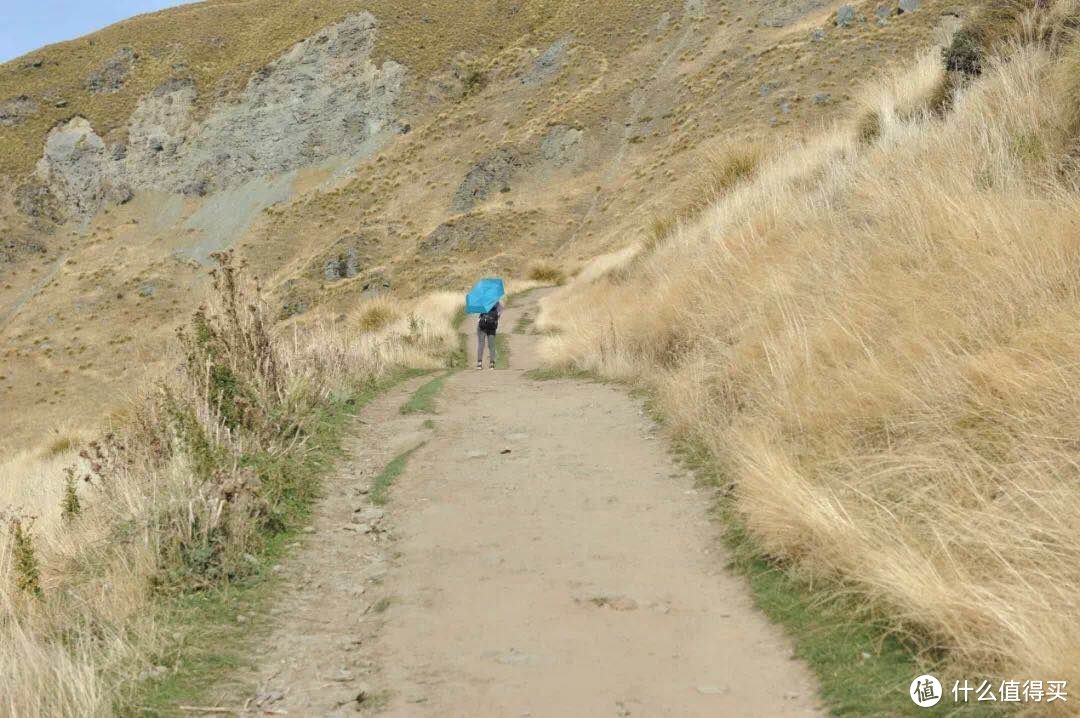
716,171
167,505
879,345
546,273
374,314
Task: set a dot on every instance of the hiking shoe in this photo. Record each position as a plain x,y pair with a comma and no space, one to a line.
479,366
492,365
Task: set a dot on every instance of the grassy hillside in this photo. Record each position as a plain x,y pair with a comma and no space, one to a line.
603,111
873,334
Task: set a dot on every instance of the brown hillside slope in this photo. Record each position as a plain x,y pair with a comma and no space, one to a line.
491,135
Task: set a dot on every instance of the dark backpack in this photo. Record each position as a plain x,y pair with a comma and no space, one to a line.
489,320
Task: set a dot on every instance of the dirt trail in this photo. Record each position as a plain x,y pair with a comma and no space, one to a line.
541,555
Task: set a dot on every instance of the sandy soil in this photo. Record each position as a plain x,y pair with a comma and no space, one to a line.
541,555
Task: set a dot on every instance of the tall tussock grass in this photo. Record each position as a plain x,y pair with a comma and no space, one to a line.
180,496
877,340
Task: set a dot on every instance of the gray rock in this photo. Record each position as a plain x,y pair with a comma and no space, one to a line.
908,6
548,64
818,35
561,145
16,110
492,174
468,233
883,11
821,98
74,168
845,15
369,514
148,290
111,76
343,266
325,98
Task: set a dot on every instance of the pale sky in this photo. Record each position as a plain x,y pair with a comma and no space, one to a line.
26,25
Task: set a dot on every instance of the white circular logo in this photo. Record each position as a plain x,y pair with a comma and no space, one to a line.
925,691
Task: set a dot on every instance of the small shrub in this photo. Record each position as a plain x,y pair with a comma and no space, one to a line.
27,575
474,81
59,445
546,273
869,127
964,54
972,45
70,506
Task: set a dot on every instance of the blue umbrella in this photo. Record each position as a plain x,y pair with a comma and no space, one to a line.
484,295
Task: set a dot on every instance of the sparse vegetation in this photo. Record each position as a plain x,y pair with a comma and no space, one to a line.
380,487
718,170
423,399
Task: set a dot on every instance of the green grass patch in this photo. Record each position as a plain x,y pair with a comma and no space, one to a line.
429,424
380,488
523,323
381,605
423,399
554,373
502,351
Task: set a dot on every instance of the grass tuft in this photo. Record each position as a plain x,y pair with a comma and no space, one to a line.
547,273
380,487
423,399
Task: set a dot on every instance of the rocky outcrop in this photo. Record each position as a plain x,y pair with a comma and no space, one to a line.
466,234
74,167
492,174
325,98
548,64
561,145
112,75
16,110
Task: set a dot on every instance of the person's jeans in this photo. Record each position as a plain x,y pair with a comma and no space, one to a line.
480,334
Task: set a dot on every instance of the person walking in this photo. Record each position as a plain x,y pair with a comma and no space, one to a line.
486,329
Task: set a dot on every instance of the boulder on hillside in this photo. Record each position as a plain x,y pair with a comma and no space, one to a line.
491,174
467,233
17,109
111,76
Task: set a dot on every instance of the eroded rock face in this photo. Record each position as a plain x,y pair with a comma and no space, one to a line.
469,233
323,99
492,174
110,77
74,167
561,145
548,64
16,109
